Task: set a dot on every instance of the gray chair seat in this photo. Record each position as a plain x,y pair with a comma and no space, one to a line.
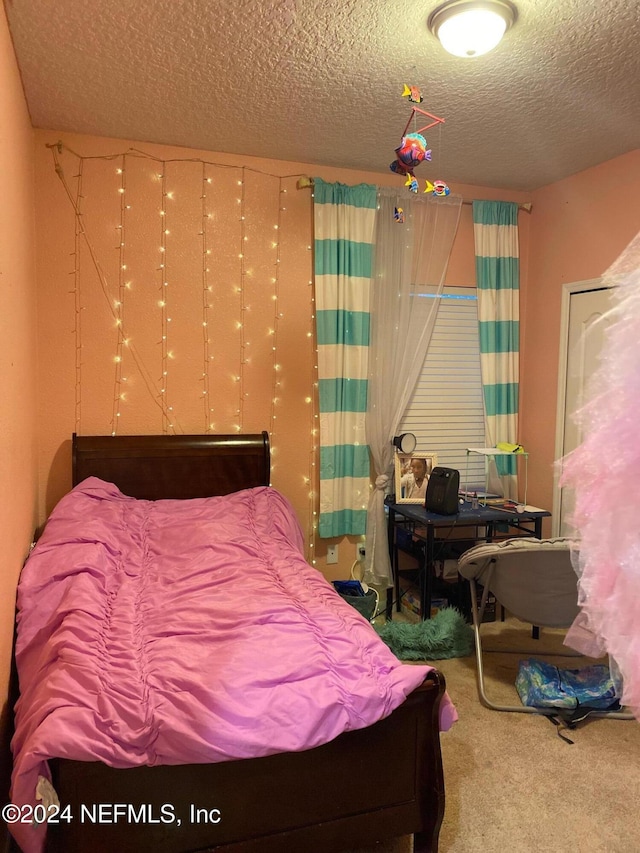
535,581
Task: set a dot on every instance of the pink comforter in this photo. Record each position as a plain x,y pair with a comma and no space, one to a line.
179,632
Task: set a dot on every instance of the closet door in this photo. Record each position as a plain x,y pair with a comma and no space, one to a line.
583,322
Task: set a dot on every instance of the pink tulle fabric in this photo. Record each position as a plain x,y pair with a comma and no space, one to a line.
604,472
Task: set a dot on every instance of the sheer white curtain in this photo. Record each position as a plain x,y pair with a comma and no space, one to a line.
410,259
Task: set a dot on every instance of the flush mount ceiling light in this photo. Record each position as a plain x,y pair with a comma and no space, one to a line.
471,27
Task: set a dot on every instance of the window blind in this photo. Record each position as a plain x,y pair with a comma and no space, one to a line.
446,413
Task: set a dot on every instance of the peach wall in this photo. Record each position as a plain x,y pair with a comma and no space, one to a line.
579,226
78,336
17,332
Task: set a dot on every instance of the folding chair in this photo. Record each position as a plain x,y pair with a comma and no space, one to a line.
535,581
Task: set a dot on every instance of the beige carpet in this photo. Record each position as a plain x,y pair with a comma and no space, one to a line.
513,785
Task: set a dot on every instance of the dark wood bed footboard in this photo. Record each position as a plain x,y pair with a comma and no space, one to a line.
376,783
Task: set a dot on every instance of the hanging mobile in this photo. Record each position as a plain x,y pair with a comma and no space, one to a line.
413,146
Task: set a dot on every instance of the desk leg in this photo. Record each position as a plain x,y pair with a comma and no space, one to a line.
535,630
396,575
426,580
393,559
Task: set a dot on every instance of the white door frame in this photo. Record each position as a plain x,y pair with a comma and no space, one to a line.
568,290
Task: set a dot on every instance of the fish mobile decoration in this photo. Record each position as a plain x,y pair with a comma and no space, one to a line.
438,188
413,94
413,148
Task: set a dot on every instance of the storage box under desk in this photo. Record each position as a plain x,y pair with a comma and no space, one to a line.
454,594
451,592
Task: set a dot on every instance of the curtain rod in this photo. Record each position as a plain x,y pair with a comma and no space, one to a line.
304,183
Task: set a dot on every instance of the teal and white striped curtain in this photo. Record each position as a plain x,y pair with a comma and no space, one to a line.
498,281
344,220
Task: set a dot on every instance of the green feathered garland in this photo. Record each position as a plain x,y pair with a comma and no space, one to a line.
446,635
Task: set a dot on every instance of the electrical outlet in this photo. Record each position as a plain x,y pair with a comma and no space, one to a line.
332,555
361,552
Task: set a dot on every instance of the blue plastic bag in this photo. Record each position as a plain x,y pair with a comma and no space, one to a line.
543,685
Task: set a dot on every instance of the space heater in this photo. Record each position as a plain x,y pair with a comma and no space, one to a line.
442,491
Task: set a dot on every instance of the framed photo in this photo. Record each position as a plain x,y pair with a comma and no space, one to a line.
412,475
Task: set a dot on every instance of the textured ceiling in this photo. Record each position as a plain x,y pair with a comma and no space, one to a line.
320,81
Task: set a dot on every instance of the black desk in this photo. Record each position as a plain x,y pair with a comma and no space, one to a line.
485,524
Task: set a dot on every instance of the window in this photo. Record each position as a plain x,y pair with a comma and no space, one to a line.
446,413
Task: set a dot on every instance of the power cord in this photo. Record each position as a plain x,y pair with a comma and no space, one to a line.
365,587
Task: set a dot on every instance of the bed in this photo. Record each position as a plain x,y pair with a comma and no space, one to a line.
325,779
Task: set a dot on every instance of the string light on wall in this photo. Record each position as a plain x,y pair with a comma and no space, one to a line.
78,302
240,325
110,297
258,274
118,396
162,303
313,453
206,291
277,316
314,427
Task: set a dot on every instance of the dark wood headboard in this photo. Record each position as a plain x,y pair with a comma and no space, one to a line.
152,467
